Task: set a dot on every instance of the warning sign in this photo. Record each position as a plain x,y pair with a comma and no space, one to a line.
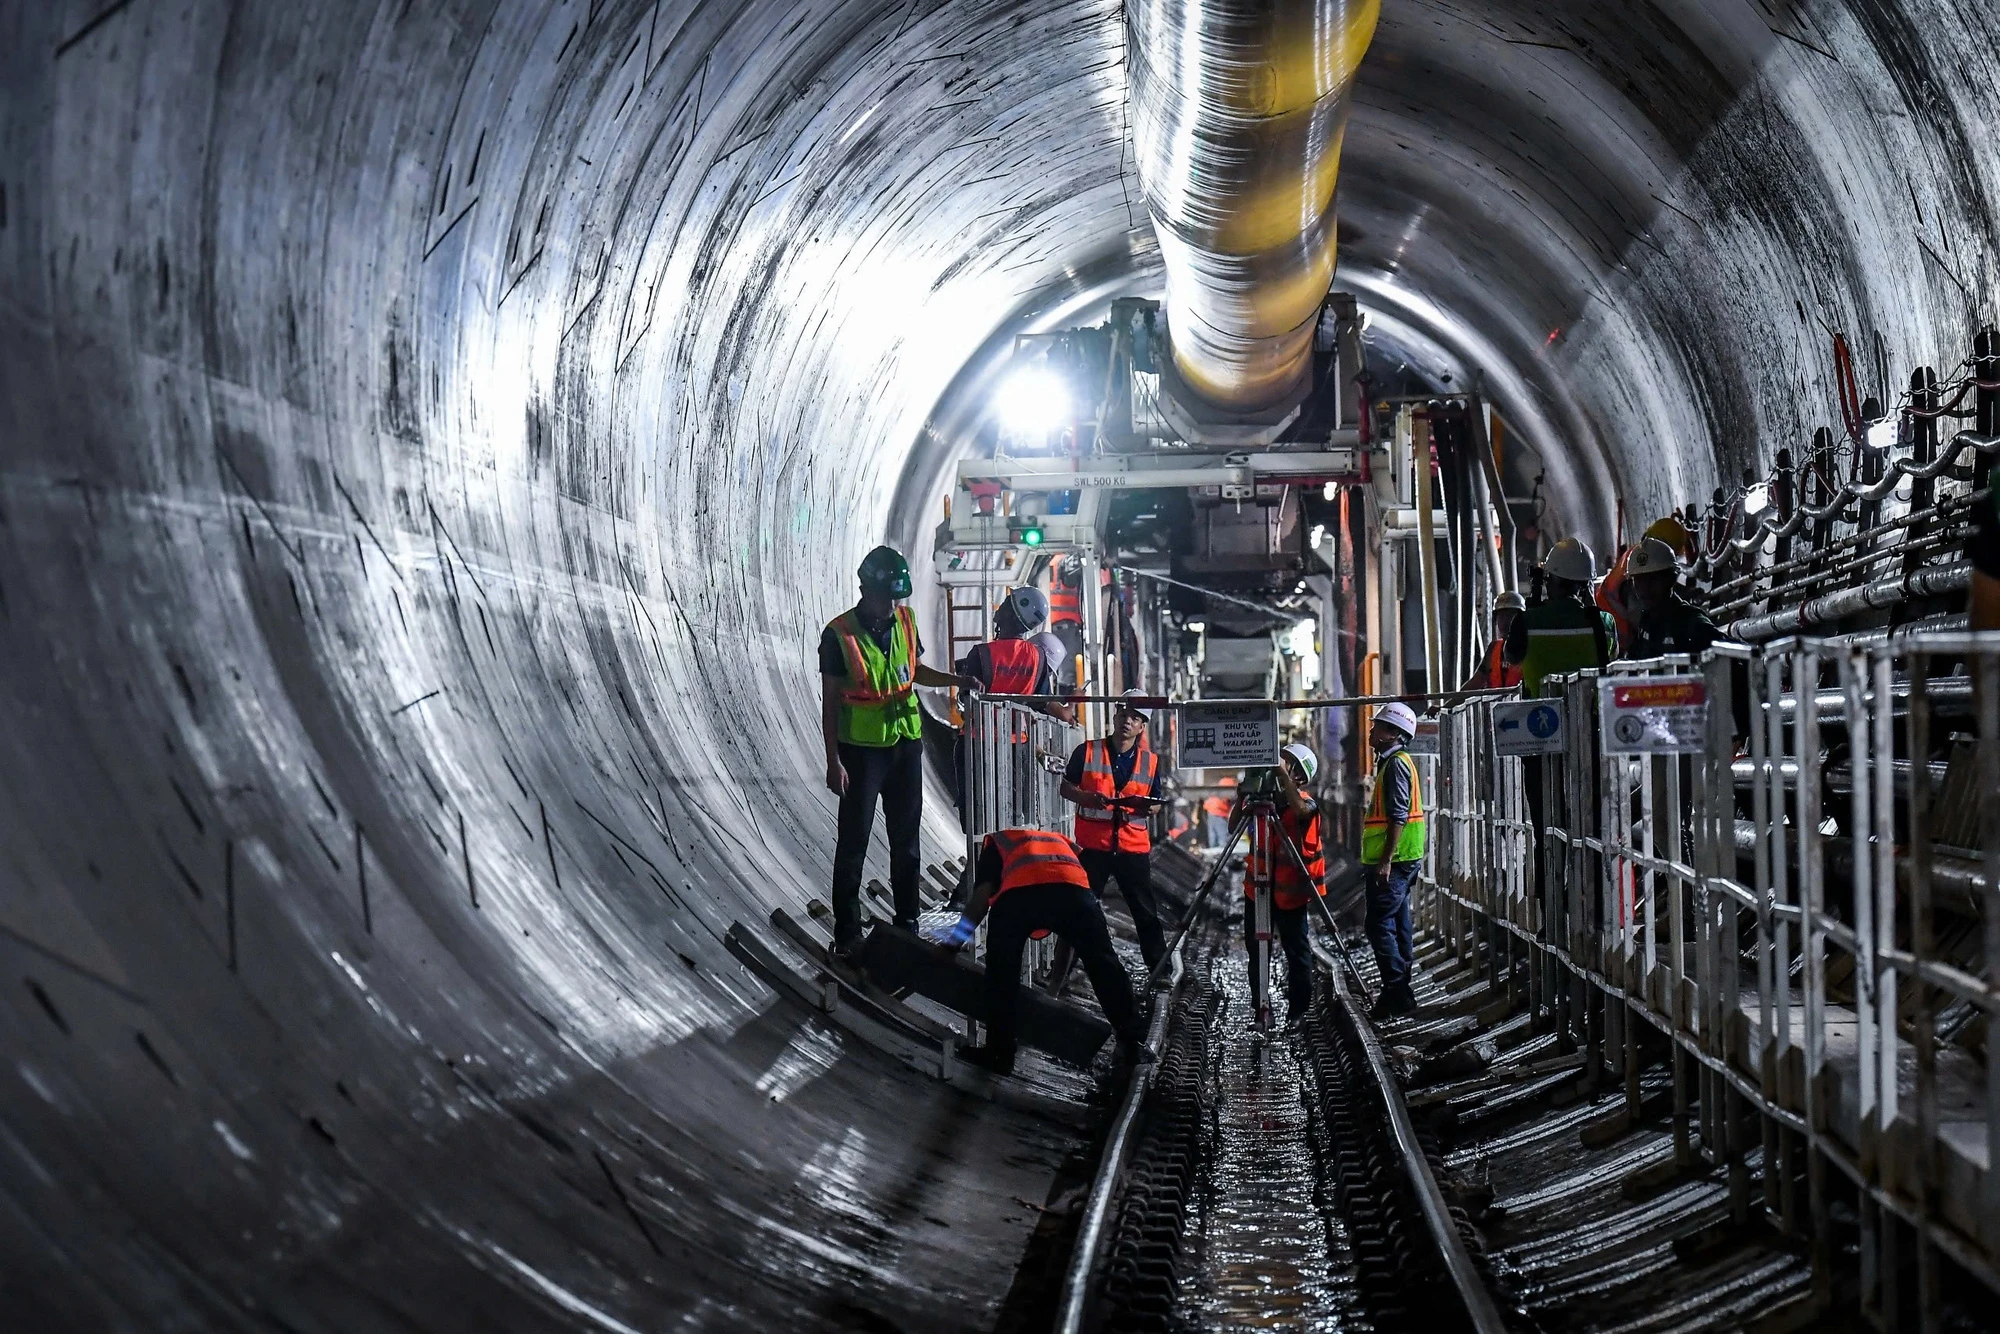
1228,736
1653,715
1529,727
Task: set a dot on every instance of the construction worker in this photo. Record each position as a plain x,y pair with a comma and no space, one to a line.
1215,810
1495,673
1115,783
1030,880
1664,621
1566,632
1611,591
1066,613
1012,663
1287,788
1393,841
873,728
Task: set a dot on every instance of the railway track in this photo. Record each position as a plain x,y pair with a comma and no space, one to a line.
1270,1179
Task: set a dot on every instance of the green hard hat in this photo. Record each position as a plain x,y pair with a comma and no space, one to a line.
884,570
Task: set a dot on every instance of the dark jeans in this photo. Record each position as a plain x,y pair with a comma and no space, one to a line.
1389,923
1134,873
1075,917
1296,941
895,774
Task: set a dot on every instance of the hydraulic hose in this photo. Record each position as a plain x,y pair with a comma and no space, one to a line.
1239,108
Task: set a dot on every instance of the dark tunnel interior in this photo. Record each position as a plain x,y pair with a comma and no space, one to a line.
435,432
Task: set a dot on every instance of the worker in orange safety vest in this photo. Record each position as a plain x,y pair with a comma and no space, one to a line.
1496,673
1028,881
1215,809
1292,886
1115,783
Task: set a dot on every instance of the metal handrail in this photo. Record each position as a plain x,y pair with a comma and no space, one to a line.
1682,914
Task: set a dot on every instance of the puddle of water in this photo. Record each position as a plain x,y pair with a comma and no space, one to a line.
1263,1255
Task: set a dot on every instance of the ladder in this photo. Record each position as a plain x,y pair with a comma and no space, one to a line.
965,623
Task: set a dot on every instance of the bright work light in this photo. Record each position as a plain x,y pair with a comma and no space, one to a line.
1032,402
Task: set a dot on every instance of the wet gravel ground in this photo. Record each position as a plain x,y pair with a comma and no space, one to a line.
1266,1251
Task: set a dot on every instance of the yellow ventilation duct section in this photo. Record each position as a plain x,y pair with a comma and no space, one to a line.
1238,111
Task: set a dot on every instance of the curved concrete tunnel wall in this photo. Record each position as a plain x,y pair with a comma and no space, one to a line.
434,434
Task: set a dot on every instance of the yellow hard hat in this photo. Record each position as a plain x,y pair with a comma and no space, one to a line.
1673,532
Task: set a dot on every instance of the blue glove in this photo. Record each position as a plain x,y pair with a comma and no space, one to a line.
960,932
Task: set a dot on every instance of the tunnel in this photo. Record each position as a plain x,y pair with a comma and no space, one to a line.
436,432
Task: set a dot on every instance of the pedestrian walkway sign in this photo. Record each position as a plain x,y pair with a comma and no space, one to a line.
1223,735
1529,727
1653,715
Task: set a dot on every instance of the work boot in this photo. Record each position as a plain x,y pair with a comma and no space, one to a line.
988,1058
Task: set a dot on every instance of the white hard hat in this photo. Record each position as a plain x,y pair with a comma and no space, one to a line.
1399,716
1510,601
1652,556
1134,703
1029,605
1571,559
1308,762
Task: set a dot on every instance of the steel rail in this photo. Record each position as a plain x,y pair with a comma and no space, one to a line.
1479,1304
1118,1146
1472,1290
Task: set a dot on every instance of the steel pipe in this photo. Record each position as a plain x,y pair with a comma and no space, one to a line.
1238,113
1924,583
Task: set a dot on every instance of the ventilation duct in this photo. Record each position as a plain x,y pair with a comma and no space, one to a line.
1238,111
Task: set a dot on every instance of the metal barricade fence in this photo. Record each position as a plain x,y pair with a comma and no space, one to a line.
1014,758
1805,906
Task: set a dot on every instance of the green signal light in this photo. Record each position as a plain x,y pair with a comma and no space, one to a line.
1031,536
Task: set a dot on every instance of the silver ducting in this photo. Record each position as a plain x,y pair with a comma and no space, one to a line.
1238,112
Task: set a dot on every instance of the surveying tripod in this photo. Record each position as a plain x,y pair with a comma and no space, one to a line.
1268,839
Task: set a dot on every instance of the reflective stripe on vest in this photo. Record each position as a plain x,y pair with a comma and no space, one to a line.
1116,830
878,701
1288,890
1411,842
1016,665
1035,857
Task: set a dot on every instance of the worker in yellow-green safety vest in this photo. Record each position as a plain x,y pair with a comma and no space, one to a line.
874,729
1393,839
1564,632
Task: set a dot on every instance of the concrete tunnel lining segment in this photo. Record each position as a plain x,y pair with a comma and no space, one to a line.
435,434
